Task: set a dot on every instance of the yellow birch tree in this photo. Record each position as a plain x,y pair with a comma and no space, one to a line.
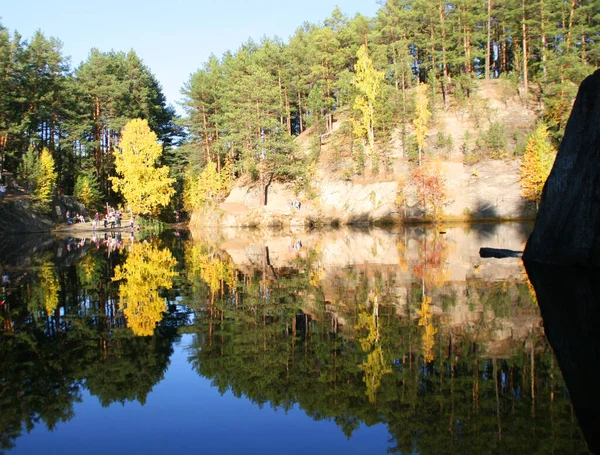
144,186
536,164
368,82
422,117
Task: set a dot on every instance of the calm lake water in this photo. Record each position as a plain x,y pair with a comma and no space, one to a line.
348,341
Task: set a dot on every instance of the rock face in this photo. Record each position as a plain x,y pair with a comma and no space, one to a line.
567,228
487,190
17,218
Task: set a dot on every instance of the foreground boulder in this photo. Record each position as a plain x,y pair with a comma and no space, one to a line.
567,228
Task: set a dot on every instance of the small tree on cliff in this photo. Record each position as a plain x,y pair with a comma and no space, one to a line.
206,189
536,164
431,187
422,116
144,186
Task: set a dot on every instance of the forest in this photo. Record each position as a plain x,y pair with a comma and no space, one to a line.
61,128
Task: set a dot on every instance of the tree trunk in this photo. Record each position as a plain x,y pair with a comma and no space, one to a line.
488,42
525,76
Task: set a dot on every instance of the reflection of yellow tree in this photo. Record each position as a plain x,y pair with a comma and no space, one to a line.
431,266
50,286
88,270
402,256
426,321
316,274
212,267
375,366
146,269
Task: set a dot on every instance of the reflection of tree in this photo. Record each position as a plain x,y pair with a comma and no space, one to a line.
45,287
129,369
44,367
37,384
431,264
267,350
428,336
89,270
214,268
375,366
279,349
146,269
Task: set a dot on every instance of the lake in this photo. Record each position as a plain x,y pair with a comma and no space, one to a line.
340,341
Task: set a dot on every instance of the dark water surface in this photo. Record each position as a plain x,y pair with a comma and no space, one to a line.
346,341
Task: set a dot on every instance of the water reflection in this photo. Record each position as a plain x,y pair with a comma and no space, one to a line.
146,269
408,328
569,298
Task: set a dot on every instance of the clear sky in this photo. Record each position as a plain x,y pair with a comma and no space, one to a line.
173,37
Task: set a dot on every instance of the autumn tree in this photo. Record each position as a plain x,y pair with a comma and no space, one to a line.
431,187
204,190
422,116
144,185
536,164
87,189
368,82
40,176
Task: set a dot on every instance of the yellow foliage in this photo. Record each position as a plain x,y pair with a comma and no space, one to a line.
375,367
316,275
144,186
50,286
536,164
204,190
45,179
146,269
422,116
86,189
428,336
368,82
211,267
430,182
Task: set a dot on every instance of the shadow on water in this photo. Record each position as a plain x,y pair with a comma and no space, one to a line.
18,250
569,300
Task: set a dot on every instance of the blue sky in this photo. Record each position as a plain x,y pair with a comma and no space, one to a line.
172,37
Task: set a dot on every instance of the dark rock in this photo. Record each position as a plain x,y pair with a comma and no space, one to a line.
567,228
498,253
17,217
569,300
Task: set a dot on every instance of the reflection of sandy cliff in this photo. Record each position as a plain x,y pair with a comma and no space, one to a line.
377,247
471,296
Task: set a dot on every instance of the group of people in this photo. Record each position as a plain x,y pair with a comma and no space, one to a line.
295,203
77,218
112,217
